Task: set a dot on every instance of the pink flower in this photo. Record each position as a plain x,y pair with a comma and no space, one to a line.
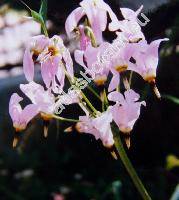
129,27
130,30
43,99
114,58
99,127
146,56
21,117
95,68
96,12
71,97
129,14
34,47
54,57
126,110
55,61
120,62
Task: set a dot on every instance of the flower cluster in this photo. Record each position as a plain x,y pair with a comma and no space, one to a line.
103,61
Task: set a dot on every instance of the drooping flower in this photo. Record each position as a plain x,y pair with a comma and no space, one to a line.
97,69
43,99
147,57
119,62
21,117
34,48
99,127
129,14
54,57
55,62
126,111
46,102
99,61
96,12
129,27
130,30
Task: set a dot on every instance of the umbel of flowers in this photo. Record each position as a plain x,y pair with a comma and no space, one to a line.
103,63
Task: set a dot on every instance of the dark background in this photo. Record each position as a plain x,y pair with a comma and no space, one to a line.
76,165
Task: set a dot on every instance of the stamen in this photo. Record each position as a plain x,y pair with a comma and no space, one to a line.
15,141
156,91
114,155
127,139
126,83
46,125
69,129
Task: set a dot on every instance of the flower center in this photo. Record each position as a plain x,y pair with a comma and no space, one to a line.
121,68
150,79
53,51
100,80
19,127
46,116
35,54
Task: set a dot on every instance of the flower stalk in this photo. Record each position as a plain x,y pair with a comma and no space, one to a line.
128,165
65,119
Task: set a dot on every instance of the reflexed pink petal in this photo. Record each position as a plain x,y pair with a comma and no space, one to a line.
61,77
126,111
116,97
69,63
14,106
114,82
131,96
102,5
46,73
146,56
130,29
73,19
102,20
21,117
29,112
99,127
130,14
152,53
43,99
41,41
28,65
79,56
31,89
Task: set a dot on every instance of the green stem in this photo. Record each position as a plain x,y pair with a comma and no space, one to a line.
43,13
105,98
83,95
90,34
65,119
94,92
128,165
130,78
72,82
103,106
89,103
105,102
44,29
